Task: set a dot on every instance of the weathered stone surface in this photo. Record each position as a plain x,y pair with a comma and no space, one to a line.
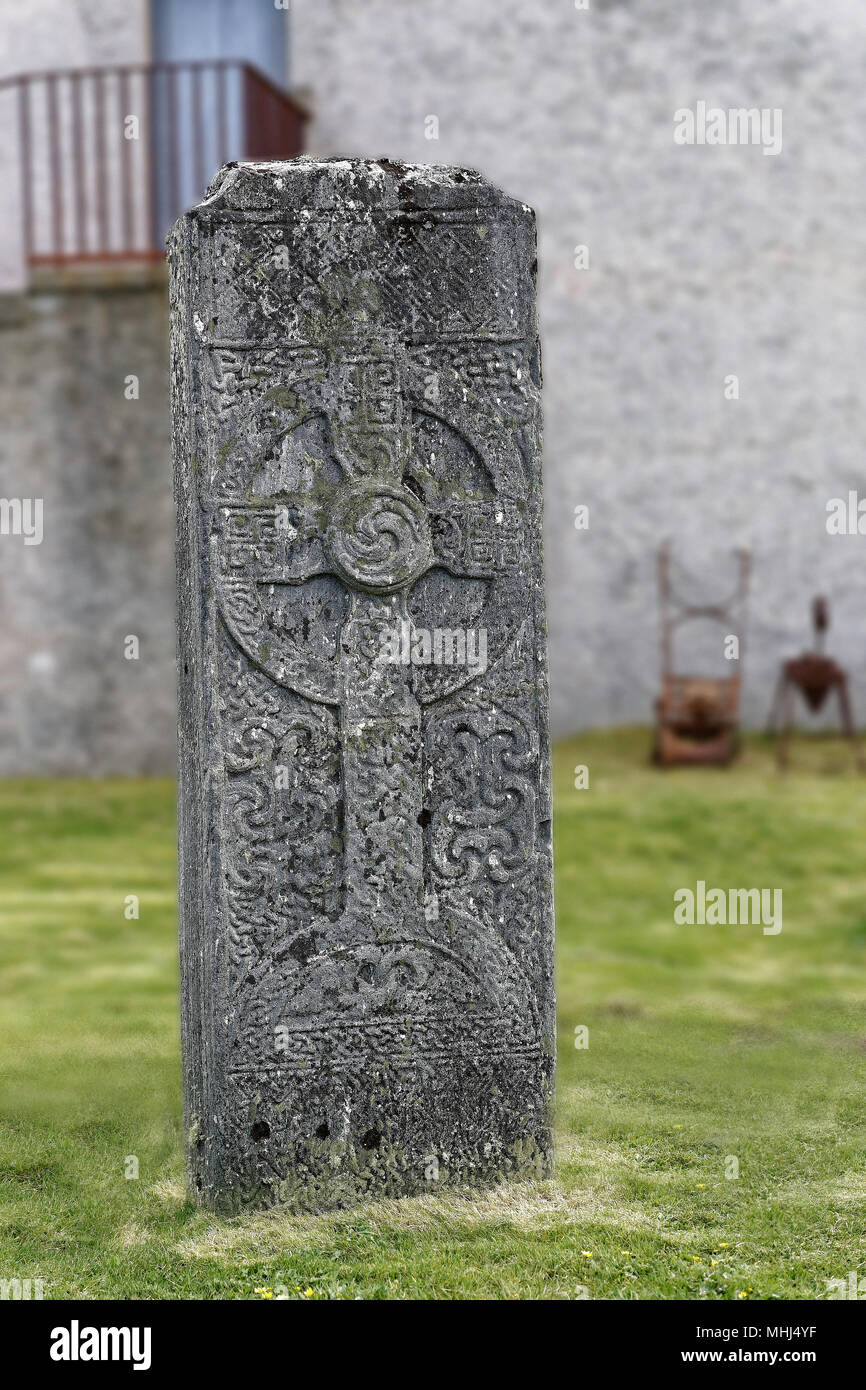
365,856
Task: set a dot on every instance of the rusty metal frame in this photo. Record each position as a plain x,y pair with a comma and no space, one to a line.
697,717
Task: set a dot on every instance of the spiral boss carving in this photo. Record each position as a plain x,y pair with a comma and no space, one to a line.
365,873
378,537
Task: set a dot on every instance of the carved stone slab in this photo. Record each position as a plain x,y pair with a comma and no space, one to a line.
365,835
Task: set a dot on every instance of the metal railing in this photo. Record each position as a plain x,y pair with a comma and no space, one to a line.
109,157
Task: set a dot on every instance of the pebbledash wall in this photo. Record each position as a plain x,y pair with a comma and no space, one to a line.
70,700
703,262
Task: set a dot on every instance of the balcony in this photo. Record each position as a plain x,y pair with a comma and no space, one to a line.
109,157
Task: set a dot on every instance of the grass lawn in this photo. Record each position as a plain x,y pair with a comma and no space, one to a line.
705,1044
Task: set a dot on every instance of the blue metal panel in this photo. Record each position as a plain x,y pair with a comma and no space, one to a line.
253,31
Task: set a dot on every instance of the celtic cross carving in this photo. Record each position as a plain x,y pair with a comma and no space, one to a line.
376,535
365,861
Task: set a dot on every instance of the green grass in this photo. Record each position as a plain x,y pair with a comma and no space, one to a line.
704,1042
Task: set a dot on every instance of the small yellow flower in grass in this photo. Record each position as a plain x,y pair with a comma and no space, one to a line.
308,1293
587,1253
714,1262
723,1245
697,1259
742,1294
625,1252
265,1293
702,1184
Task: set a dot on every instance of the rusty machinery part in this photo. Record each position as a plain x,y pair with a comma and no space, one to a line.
697,717
813,675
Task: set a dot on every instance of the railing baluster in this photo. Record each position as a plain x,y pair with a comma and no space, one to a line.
26,161
101,162
53,130
78,165
222,103
151,157
200,171
246,80
173,151
126,148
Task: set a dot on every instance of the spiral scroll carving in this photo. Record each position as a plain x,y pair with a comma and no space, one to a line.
378,537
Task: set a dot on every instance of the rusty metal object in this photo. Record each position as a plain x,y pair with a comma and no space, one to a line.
814,675
697,717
